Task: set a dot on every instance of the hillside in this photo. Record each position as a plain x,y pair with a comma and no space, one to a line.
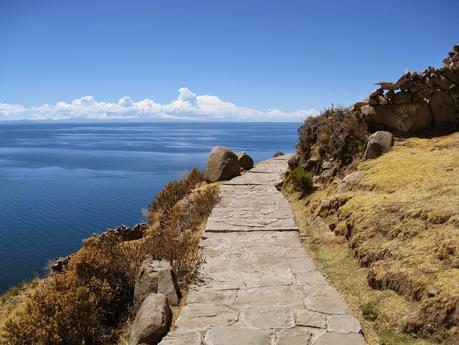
399,222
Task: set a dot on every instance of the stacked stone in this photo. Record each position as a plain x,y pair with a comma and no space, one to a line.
434,93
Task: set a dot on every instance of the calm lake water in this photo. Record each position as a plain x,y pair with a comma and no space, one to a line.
59,183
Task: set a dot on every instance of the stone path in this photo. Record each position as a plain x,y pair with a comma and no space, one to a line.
258,285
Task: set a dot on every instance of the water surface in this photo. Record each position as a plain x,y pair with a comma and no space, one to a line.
61,182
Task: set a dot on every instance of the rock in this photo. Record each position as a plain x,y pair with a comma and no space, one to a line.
378,143
376,93
402,118
386,85
432,292
421,94
451,75
155,276
222,165
402,97
443,111
152,321
381,100
327,173
245,161
349,181
293,162
358,105
278,154
441,82
322,209
311,165
326,165
403,79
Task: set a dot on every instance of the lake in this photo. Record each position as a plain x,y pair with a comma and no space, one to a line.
62,182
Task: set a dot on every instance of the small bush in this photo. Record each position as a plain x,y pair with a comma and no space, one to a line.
337,133
369,311
301,180
173,192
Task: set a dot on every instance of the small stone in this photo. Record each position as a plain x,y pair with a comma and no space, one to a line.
432,292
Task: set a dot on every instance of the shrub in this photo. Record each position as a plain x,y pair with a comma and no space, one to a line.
301,180
178,237
83,304
173,192
88,301
336,133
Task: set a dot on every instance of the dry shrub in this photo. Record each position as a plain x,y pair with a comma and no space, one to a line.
175,191
336,133
178,236
83,304
88,301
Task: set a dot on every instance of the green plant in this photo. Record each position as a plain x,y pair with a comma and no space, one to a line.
369,311
301,180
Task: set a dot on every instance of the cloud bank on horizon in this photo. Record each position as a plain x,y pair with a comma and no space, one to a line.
187,106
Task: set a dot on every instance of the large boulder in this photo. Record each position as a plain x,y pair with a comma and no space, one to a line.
152,321
155,276
222,165
378,143
443,111
410,118
245,161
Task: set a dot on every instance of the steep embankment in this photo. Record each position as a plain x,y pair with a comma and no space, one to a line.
398,218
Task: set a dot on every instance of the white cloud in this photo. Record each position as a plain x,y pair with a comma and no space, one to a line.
10,109
187,106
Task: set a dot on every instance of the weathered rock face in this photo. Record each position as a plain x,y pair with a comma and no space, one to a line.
245,161
378,143
443,111
222,165
152,321
410,118
155,276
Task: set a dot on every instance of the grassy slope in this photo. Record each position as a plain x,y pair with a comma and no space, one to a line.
404,221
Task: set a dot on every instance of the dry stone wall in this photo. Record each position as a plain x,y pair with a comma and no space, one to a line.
426,102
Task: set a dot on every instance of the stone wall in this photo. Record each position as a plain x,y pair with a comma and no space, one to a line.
426,102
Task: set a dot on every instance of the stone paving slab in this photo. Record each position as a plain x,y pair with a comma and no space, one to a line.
257,285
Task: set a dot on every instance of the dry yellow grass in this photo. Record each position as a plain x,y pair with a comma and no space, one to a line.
401,224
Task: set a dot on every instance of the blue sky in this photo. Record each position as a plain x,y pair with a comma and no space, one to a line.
274,59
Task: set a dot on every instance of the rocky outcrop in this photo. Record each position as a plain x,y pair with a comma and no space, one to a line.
378,143
152,321
245,161
426,102
155,276
222,165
